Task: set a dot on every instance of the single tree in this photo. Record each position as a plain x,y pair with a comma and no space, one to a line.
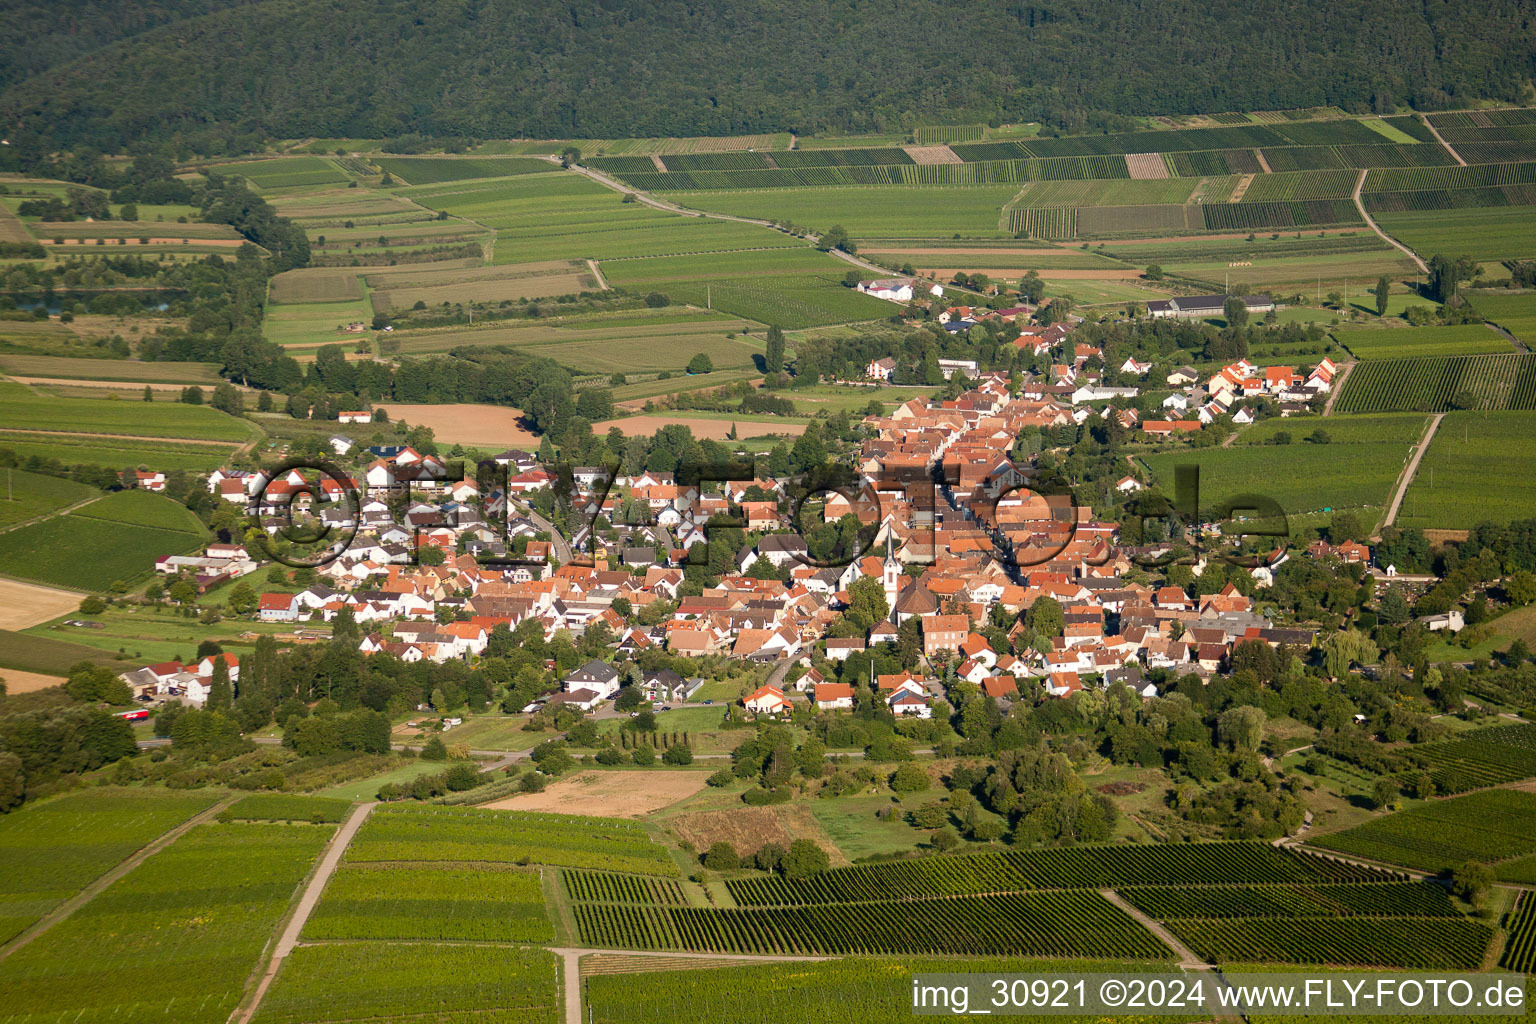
1383,292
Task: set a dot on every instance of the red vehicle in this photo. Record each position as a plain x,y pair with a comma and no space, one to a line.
134,716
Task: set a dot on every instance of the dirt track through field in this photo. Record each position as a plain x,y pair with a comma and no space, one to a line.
90,892
26,604
1360,184
312,890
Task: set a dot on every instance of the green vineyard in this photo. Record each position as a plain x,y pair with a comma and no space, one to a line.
1422,943
1520,951
437,902
1433,384
605,887
1493,825
1390,899
1057,924
1301,213
1236,863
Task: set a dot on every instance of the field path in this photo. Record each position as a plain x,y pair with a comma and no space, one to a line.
1338,388
1187,957
1441,139
1407,475
662,204
91,891
1359,184
601,281
66,510
306,906
1259,155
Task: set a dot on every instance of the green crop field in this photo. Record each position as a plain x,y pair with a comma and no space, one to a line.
187,927
116,453
26,495
315,323
93,548
566,216
53,849
435,834
1483,234
868,212
620,350
409,983
429,170
284,172
863,991
1480,467
1348,272
1302,477
284,807
1458,340
1389,428
1493,825
22,408
30,652
440,902
1513,311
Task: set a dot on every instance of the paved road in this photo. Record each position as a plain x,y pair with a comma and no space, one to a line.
1359,184
312,891
85,895
562,546
1408,472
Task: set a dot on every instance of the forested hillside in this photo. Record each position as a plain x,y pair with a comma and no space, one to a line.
42,34
601,68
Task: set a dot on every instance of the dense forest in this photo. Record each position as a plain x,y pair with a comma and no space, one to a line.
600,68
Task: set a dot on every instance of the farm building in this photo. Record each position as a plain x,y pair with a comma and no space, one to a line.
897,289
1196,306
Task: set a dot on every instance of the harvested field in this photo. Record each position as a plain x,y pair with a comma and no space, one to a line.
316,284
27,604
932,155
748,828
47,369
490,426
623,794
1145,166
17,681
11,227
716,430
